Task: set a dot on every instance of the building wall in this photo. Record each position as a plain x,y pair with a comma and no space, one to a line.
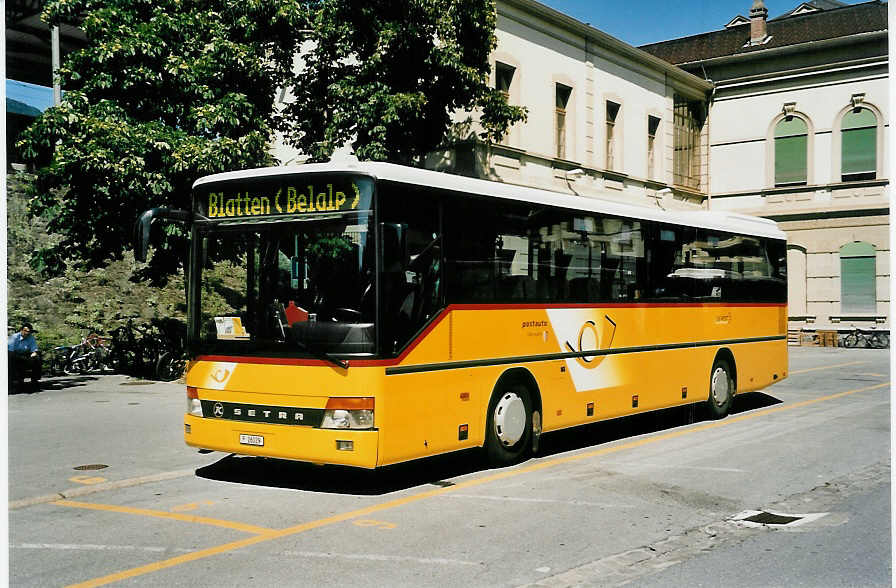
742,124
545,53
825,214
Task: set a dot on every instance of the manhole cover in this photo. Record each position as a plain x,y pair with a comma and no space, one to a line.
90,467
767,518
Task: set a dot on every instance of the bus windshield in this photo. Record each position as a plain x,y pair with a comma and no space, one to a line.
298,287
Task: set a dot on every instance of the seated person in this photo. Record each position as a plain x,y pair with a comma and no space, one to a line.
24,358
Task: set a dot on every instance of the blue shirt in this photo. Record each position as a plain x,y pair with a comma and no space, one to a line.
18,343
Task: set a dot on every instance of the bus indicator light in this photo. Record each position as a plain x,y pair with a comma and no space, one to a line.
684,391
345,445
463,432
464,395
590,409
635,401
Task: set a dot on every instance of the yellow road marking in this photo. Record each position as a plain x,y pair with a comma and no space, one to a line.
166,515
373,523
369,510
826,367
87,479
190,506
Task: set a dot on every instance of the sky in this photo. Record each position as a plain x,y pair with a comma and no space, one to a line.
638,22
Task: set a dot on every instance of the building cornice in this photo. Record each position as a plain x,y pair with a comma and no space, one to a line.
808,188
867,63
598,38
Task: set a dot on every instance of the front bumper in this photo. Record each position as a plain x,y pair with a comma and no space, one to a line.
283,441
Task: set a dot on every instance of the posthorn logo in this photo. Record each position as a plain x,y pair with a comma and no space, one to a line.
219,409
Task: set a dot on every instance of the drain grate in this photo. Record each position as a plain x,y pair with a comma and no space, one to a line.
764,518
767,518
90,467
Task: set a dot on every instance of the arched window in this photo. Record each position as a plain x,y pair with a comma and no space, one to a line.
791,137
858,146
858,278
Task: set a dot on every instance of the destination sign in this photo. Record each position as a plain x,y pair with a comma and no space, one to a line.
299,197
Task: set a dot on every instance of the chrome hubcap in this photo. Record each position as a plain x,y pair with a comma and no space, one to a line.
720,386
510,419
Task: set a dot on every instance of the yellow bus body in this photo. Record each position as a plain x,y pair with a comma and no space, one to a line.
646,357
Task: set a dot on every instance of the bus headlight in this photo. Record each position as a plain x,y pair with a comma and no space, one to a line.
194,407
348,413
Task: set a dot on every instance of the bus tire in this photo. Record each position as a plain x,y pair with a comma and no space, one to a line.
721,389
508,424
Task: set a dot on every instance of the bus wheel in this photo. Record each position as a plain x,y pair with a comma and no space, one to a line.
509,424
721,389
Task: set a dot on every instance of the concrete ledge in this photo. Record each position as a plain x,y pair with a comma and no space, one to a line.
96,488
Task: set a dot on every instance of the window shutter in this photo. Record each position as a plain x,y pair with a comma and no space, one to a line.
858,149
858,276
791,147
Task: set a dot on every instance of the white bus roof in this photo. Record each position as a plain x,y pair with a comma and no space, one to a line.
723,221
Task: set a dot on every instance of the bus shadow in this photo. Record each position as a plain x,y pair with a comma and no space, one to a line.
293,475
644,424
437,471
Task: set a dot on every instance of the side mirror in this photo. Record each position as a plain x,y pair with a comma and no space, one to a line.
142,226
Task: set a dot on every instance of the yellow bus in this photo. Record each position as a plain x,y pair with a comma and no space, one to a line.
368,314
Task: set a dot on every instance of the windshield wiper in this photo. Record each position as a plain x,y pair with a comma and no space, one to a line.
341,363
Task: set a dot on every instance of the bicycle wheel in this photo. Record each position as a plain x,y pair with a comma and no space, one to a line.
57,363
169,367
851,340
879,341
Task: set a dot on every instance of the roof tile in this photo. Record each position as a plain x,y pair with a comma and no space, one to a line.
827,24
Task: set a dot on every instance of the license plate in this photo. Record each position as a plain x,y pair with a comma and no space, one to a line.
252,440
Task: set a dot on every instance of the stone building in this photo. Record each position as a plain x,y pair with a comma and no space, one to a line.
605,118
798,127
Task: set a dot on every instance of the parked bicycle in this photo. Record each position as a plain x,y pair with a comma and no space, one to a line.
873,339
59,360
154,350
170,343
90,355
126,356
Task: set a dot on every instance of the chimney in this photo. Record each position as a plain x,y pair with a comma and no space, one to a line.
758,14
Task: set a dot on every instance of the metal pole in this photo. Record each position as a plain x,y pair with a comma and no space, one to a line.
57,88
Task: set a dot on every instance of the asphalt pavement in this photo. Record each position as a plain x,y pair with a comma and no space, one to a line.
103,491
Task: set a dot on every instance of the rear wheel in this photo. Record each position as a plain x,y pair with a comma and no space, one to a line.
508,424
57,364
721,389
851,340
169,367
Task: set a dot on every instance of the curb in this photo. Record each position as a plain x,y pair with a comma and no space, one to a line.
94,489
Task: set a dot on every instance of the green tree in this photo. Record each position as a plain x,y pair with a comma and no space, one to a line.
387,75
165,91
